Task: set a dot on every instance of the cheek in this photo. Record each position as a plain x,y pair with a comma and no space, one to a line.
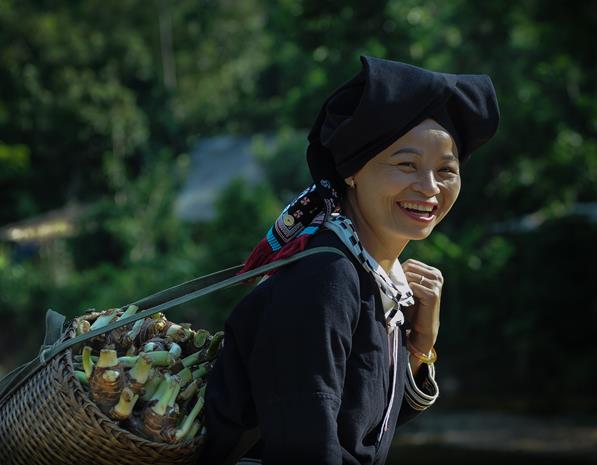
392,184
451,190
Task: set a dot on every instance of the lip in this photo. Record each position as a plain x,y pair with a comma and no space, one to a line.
417,217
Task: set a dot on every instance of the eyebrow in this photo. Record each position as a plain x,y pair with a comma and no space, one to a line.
448,156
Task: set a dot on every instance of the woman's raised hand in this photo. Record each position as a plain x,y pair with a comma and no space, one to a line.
426,283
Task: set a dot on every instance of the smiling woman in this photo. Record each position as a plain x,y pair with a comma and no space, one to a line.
318,365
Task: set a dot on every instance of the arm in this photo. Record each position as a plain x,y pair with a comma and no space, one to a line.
297,368
421,388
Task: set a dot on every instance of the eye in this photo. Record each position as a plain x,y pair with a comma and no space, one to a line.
449,169
408,164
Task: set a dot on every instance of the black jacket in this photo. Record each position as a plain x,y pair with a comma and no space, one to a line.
306,359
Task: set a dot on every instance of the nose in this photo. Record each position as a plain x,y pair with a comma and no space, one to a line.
426,183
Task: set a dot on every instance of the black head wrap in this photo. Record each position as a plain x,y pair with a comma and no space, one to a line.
384,101
364,116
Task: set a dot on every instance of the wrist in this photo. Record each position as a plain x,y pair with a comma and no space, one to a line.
415,364
420,342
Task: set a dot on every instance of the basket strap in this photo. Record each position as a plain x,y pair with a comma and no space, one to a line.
158,302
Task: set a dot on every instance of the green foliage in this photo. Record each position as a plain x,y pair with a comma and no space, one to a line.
283,160
100,102
243,215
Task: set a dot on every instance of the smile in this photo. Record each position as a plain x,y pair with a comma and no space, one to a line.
424,212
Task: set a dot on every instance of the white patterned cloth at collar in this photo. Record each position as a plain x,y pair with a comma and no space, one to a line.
393,287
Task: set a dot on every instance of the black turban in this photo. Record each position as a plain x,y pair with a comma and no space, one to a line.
384,101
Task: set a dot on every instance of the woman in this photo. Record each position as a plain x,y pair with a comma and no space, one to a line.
326,357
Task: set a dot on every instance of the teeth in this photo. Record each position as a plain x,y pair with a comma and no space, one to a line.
423,208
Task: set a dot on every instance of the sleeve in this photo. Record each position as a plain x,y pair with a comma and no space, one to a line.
298,364
421,392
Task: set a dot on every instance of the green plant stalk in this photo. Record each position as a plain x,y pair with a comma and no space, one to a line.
124,407
128,361
188,392
174,393
152,385
181,419
141,370
192,359
87,361
130,311
160,407
83,327
186,425
200,338
104,319
176,333
107,359
161,358
192,432
175,351
214,345
162,387
185,375
202,370
135,330
150,347
82,377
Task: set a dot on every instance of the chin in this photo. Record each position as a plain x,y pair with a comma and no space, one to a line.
413,235
422,235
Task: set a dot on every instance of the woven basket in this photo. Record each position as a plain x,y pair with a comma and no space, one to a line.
46,417
51,421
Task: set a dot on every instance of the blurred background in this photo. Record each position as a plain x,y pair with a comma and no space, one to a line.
143,144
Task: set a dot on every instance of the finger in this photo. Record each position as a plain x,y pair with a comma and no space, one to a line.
422,280
427,271
429,293
420,290
420,263
428,275
419,266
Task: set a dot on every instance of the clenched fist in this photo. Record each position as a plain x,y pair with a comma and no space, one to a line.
426,283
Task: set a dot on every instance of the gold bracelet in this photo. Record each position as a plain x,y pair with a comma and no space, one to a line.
425,358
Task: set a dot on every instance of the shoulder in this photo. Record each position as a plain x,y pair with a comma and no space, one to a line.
323,288
330,268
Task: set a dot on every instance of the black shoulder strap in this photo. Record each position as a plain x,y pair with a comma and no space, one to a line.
158,302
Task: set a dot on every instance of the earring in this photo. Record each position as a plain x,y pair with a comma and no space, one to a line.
351,183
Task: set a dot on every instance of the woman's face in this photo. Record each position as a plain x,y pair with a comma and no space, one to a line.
395,189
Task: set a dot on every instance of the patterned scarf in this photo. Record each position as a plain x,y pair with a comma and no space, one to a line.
297,223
